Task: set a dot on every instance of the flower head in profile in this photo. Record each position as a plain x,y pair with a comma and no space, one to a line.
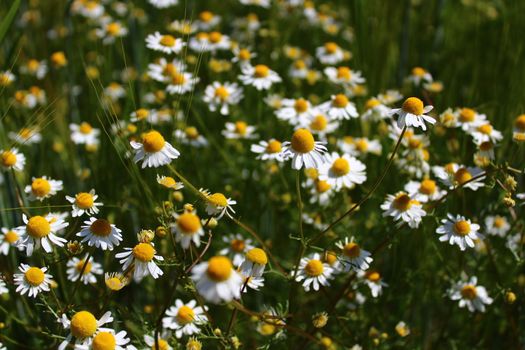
154,151
9,238
413,113
187,229
217,204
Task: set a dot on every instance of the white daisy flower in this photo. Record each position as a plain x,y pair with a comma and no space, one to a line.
35,68
518,133
164,43
83,326
403,207
42,188
26,136
108,339
88,269
299,69
412,113
110,30
143,259
344,76
162,4
419,75
184,319
458,230
389,97
114,91
319,124
90,9
339,108
219,96
184,27
255,283
329,53
187,229
304,150
32,280
100,233
313,273
169,182
321,192
424,191
242,55
375,110
84,134
12,159
268,150
154,151
374,281
217,41
342,171
40,231
453,175
207,20
495,225
161,343
354,257
181,83
259,76
216,280
295,112
8,239
218,204
84,203
6,78
484,133
239,130
165,70
359,146
190,136
471,295
237,247
469,119
254,263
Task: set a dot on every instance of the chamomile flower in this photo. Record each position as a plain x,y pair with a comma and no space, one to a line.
242,55
184,319
84,134
339,108
100,234
169,182
164,43
26,136
35,68
413,113
470,294
161,342
321,192
217,41
239,130
419,76
424,191
458,230
330,53
142,257
299,69
83,326
374,281
484,133
313,272
319,124
40,231
8,239
220,96
254,263
304,150
342,171
154,151
216,280
353,256
108,339
114,91
268,150
403,208
402,329
181,83
359,146
32,280
190,136
519,129
259,76
207,20
469,119
42,188
295,112
7,78
164,70
237,247
187,229
375,110
12,159
84,203
90,9
455,175
83,270
495,225
110,30
218,204
115,281
344,76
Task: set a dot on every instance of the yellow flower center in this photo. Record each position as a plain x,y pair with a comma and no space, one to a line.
168,182
101,228
330,257
141,113
170,69
185,315
222,93
520,122
322,186
485,129
427,187
373,276
80,266
340,101
238,245
84,200
34,276
418,71
302,141
191,132
340,167
162,345
85,128
11,237
178,78
462,228
38,227
462,175
352,250
215,37
83,324
344,73
314,268
33,65
144,252
219,268
241,128
361,145
274,146
153,141
114,283
113,29
299,64
330,47
499,222
167,40
467,115
206,16
189,223
218,200
402,202
8,158
40,187
257,256
413,105
104,341
469,292
319,123
371,103
261,71
300,105
244,55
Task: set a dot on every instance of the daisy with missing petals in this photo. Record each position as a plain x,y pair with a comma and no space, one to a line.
412,113
154,151
254,263
455,175
169,182
458,230
330,53
304,150
424,191
42,188
164,43
187,228
221,96
85,271
342,171
217,203
184,318
313,272
216,280
32,280
403,207
84,203
143,257
237,247
339,108
268,150
239,130
495,225
471,295
83,326
260,76
41,231
354,258
100,233
12,159
8,239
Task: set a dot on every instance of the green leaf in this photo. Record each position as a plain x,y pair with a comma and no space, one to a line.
8,19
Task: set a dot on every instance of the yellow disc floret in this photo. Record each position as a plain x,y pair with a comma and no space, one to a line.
185,315
167,40
413,105
462,175
340,101
469,292
104,341
462,228
38,227
302,141
153,141
261,71
84,200
218,200
8,159
219,268
257,256
340,167
40,187
144,252
34,276
83,324
273,146
352,250
427,187
188,223
314,268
